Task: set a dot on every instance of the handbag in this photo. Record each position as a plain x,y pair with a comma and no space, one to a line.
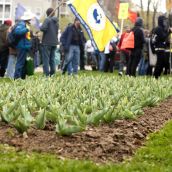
152,56
29,66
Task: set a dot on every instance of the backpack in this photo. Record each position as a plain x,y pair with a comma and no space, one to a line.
152,56
12,38
128,41
153,41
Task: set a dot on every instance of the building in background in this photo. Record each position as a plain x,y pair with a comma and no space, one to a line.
63,9
38,7
5,10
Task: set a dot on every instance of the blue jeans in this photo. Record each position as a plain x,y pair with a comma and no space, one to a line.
20,69
48,59
72,60
11,66
36,59
70,68
124,57
143,67
102,61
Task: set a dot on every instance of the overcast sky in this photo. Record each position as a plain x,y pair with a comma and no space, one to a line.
162,7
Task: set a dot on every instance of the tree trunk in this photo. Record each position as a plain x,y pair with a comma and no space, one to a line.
154,17
155,8
141,8
148,14
53,3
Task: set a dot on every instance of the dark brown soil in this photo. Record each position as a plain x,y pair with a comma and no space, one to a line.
108,142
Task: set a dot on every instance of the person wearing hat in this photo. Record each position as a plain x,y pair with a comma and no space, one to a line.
162,32
136,52
4,50
22,30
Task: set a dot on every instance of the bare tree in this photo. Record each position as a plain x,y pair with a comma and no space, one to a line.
109,7
53,3
148,13
155,4
141,8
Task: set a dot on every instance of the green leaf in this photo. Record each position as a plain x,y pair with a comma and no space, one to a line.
41,119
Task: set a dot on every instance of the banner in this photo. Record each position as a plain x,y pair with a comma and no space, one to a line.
20,9
123,11
132,16
100,29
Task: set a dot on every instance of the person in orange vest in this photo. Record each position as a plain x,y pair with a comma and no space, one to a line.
124,53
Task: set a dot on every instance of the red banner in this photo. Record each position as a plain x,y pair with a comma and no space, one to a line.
132,16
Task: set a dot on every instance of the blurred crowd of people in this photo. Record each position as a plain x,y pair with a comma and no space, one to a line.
136,50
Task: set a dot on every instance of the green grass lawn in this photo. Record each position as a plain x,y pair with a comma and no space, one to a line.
155,156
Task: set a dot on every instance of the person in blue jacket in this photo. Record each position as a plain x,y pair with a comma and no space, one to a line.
72,39
22,30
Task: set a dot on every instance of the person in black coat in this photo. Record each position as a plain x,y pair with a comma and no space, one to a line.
136,53
162,33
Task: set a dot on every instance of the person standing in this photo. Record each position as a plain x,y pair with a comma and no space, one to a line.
124,53
11,63
91,57
110,52
35,49
102,59
136,52
162,32
4,49
82,50
22,31
71,40
49,42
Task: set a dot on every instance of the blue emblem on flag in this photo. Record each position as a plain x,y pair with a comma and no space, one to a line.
96,16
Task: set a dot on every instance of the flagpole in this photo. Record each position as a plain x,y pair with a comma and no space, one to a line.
122,26
58,19
170,53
